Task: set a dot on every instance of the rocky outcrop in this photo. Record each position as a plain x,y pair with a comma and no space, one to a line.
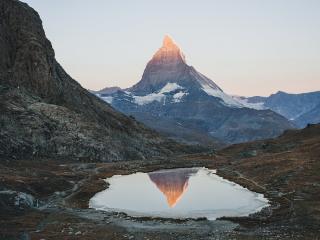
44,112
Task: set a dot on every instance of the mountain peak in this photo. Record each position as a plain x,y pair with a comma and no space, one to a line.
167,66
168,42
169,52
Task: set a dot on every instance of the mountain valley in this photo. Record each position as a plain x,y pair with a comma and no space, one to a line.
59,145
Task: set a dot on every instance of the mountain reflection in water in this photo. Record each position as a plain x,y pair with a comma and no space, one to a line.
177,193
172,183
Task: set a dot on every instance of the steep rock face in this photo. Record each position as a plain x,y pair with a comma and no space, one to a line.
44,112
167,63
175,99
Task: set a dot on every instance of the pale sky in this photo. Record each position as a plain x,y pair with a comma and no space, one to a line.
247,47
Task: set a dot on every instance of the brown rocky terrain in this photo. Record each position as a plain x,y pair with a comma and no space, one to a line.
285,170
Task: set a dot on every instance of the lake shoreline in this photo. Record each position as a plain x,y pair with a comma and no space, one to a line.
69,206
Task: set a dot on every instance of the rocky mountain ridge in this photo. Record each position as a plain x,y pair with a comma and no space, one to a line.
45,113
301,108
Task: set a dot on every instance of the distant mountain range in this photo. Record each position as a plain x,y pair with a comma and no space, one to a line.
178,101
300,108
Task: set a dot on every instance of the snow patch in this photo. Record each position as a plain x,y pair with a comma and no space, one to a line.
108,99
203,80
142,100
212,89
245,103
170,87
227,100
178,96
159,96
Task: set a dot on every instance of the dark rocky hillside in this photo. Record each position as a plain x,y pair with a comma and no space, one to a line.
44,112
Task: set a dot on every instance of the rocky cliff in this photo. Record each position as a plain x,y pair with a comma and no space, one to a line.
45,113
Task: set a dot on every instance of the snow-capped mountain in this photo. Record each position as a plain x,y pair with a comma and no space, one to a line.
302,108
168,72
175,99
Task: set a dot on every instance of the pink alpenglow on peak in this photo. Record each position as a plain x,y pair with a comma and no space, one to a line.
169,52
168,42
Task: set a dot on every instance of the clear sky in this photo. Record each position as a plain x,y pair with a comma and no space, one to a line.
248,47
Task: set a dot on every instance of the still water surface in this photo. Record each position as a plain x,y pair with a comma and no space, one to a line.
177,193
